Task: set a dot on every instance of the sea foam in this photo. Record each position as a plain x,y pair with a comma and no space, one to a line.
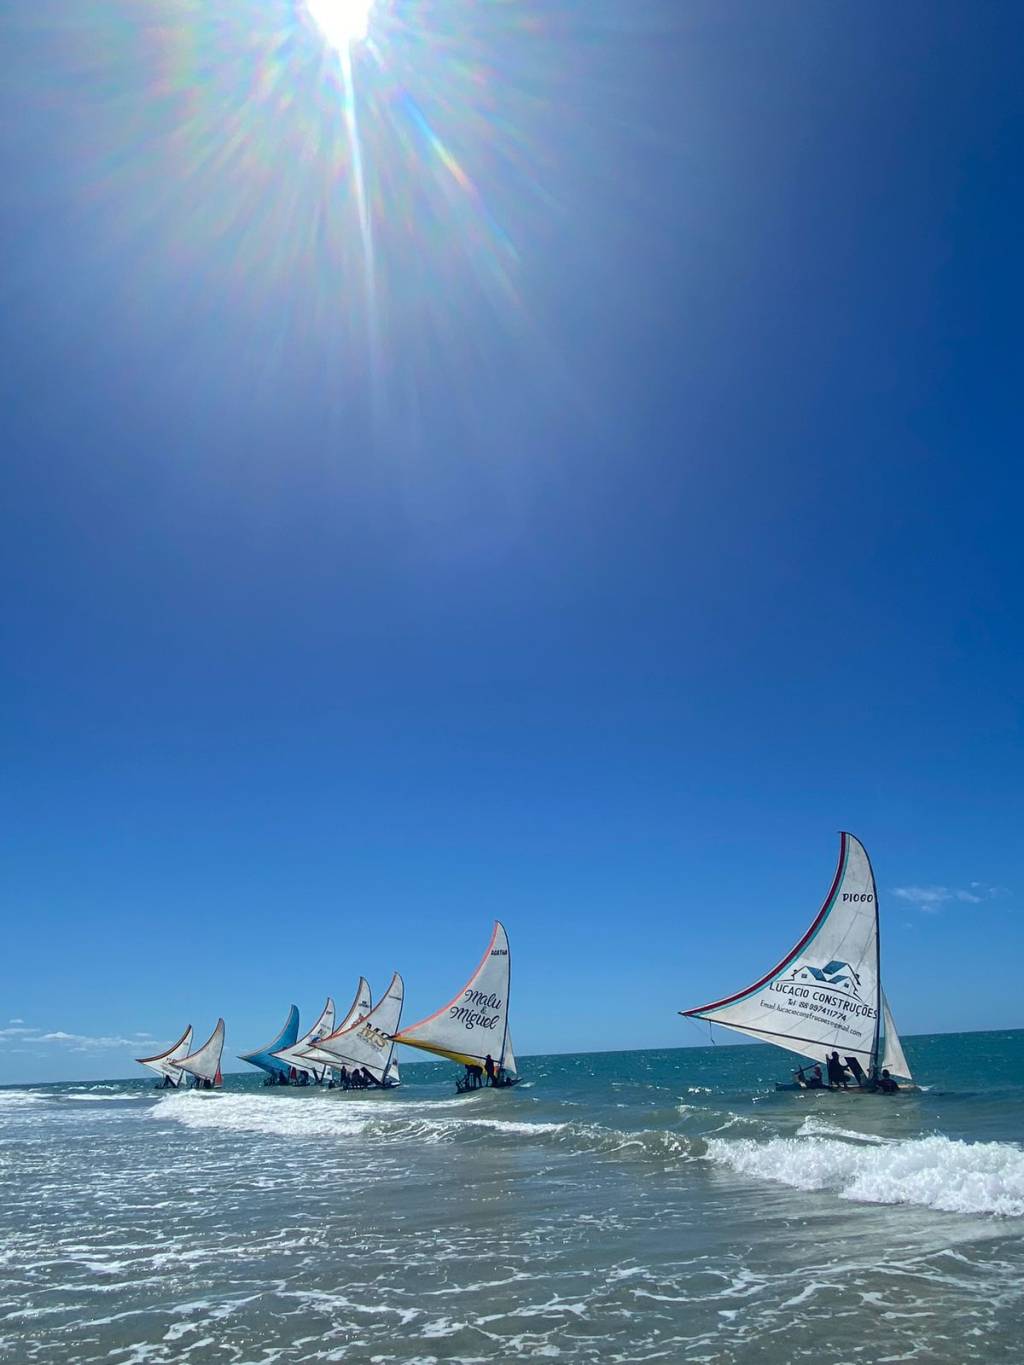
932,1172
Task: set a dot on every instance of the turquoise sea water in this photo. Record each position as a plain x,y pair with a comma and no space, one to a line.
646,1206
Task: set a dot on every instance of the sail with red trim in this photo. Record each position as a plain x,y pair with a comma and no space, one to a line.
826,993
360,1007
165,1063
368,1042
474,1025
293,1056
204,1063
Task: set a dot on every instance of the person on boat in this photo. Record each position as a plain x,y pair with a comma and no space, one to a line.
343,1078
886,1084
815,1080
490,1069
837,1073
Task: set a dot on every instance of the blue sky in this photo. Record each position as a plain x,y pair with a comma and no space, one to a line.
640,510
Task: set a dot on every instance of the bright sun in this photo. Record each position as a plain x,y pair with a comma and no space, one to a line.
342,22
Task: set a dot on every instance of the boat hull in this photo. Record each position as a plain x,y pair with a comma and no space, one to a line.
461,1088
841,1090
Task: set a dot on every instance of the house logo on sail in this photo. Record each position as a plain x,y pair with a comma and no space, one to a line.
835,975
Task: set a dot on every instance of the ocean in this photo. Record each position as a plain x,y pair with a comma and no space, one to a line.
631,1206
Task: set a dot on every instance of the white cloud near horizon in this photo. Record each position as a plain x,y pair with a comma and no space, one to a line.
74,1042
932,898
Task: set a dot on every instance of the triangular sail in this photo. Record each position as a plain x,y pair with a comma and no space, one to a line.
205,1061
164,1063
824,994
359,1009
368,1042
893,1059
292,1056
474,1025
264,1057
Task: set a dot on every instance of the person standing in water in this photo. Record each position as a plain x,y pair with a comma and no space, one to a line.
837,1073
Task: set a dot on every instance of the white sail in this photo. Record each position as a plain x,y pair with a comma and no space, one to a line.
368,1042
293,1056
474,1025
205,1061
360,1007
893,1059
823,995
165,1063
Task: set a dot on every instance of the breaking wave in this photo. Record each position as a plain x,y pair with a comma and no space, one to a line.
397,1121
933,1172
940,1173
20,1099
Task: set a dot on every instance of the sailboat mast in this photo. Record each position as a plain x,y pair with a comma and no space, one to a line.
878,975
508,992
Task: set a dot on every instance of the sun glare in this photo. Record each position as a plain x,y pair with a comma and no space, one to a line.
342,22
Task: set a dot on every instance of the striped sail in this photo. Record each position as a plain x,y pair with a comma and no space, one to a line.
824,994
165,1063
473,1025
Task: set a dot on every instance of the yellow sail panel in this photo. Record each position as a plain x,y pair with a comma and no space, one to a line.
462,1058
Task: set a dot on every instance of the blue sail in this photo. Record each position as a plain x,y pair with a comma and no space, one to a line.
264,1057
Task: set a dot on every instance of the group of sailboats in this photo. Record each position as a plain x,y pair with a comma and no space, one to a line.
358,1052
824,1000
182,1068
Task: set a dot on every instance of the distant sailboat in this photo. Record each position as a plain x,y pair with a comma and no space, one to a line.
292,1056
165,1063
204,1063
474,1025
826,995
367,1044
362,1003
264,1057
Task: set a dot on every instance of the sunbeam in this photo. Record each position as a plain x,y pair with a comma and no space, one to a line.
342,22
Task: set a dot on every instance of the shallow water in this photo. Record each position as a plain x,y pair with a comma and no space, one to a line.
614,1207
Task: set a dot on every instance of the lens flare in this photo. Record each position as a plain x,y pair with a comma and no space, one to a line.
342,22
